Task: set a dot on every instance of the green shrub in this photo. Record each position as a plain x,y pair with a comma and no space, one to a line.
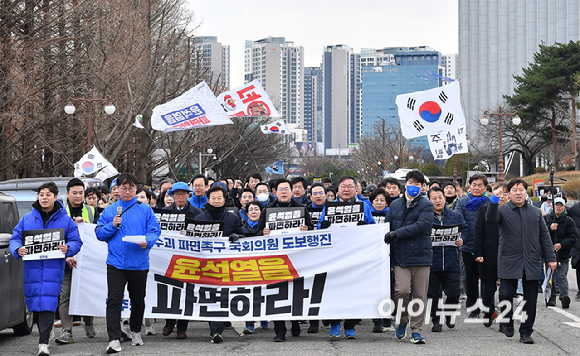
570,168
572,189
540,170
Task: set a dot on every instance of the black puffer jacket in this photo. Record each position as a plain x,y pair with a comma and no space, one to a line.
566,234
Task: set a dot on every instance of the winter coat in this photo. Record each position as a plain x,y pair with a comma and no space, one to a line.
412,247
446,258
486,245
304,200
232,223
138,220
43,278
188,208
566,234
470,217
364,199
274,204
250,228
523,240
379,215
198,202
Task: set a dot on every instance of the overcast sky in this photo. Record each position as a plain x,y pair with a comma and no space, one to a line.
315,24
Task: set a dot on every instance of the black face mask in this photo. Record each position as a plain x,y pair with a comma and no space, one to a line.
449,200
215,212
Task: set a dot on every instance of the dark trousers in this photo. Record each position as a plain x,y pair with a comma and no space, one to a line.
280,327
488,289
471,278
45,322
507,289
181,324
348,323
215,327
448,282
136,281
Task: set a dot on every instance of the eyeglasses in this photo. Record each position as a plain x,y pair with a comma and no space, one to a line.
347,187
127,189
317,193
284,189
254,209
198,186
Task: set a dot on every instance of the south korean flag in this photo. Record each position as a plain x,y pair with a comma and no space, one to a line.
430,111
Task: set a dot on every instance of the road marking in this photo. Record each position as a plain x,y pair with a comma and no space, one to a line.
576,324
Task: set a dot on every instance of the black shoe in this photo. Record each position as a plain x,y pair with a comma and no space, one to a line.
551,303
216,338
540,290
378,329
448,322
487,320
437,328
501,328
526,339
509,331
295,330
280,338
473,315
313,329
327,322
565,302
227,324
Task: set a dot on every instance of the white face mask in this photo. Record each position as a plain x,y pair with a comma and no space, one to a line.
262,197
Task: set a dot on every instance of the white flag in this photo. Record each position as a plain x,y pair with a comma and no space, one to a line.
428,112
138,123
248,100
107,172
197,107
445,144
278,127
91,163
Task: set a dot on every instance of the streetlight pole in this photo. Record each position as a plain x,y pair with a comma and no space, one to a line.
209,154
516,121
109,109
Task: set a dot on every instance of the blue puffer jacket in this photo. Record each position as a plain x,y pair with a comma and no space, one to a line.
446,258
43,278
470,217
198,202
412,247
138,220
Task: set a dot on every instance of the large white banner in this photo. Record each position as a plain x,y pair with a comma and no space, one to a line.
197,107
430,111
337,273
248,100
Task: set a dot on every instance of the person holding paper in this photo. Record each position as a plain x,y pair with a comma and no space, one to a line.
445,269
43,277
127,263
523,240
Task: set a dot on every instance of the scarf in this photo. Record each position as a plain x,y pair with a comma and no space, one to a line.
252,224
475,202
215,212
384,211
450,200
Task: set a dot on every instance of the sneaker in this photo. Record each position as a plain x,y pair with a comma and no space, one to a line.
263,325
565,302
216,338
58,323
335,330
463,297
126,331
150,330
136,339
508,331
90,331
114,347
526,339
65,338
519,299
43,350
437,328
401,331
248,330
416,338
473,315
388,328
77,323
349,334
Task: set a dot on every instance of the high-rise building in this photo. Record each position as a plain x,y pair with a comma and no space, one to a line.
216,57
389,72
341,96
279,66
498,38
449,65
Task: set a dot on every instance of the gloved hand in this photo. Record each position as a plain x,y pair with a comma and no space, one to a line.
361,222
390,237
324,224
234,237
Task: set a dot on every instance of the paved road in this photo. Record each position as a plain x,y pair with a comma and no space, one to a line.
557,331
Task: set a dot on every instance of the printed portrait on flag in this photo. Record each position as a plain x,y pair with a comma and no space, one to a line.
248,100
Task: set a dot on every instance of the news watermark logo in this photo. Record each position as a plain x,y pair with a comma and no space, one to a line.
416,307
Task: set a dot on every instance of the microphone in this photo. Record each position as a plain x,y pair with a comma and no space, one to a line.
119,212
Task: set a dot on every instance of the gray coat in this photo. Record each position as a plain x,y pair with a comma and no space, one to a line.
523,240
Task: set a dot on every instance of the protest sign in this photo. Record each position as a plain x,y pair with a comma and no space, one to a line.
442,235
43,244
344,212
288,219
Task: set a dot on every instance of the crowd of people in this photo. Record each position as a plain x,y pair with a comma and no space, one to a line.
501,236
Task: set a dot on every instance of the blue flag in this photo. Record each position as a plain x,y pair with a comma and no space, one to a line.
276,167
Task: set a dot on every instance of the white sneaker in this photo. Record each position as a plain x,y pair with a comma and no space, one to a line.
126,331
137,340
58,323
114,347
150,330
43,350
51,337
519,299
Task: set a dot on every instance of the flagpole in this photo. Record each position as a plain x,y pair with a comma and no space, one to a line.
139,117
